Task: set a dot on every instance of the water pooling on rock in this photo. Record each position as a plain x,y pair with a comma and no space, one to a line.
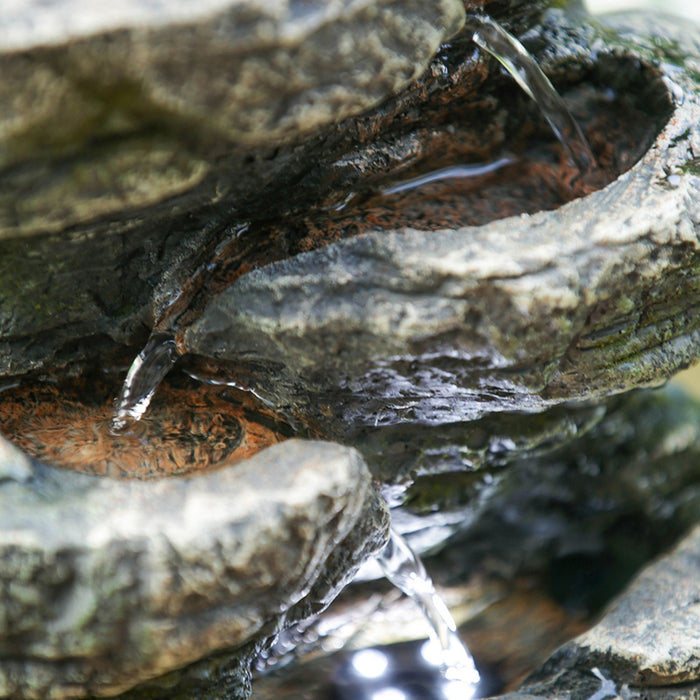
192,427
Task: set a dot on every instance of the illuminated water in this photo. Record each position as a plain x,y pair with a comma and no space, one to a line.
405,570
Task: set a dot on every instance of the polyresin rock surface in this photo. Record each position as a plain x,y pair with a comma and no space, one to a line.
593,298
544,545
135,138
104,584
254,71
647,643
125,138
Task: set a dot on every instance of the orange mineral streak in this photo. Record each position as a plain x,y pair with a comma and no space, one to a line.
190,428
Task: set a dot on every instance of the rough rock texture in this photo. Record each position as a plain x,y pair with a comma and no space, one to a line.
395,326
120,182
251,71
404,325
648,640
542,546
104,584
587,501
121,132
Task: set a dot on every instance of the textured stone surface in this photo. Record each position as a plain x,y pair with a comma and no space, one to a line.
104,584
587,501
125,139
648,641
404,325
251,71
123,165
395,326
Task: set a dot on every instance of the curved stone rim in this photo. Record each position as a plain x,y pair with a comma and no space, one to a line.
427,285
79,610
144,61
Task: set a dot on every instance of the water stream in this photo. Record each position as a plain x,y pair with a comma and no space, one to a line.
442,665
489,36
146,373
405,570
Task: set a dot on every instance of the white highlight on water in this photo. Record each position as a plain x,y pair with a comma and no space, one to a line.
147,371
456,171
513,56
405,570
370,663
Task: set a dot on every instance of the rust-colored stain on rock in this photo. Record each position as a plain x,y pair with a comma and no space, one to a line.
190,427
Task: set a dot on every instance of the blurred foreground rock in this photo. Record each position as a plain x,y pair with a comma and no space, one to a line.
105,584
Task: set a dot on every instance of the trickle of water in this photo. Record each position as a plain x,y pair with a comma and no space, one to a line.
145,374
455,171
512,55
404,569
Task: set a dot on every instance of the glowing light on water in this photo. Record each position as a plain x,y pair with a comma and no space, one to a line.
370,663
406,571
389,694
457,690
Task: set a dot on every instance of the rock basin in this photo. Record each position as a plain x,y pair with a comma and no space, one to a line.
434,348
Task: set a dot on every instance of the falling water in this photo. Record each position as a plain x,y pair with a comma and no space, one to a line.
145,374
505,48
404,569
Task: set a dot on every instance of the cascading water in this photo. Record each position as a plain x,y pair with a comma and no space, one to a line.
147,371
405,570
453,672
513,56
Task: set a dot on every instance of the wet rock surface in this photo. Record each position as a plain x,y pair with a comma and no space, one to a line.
457,323
192,427
145,578
119,220
123,130
611,497
131,139
469,358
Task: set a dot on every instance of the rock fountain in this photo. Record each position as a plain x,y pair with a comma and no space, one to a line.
344,229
